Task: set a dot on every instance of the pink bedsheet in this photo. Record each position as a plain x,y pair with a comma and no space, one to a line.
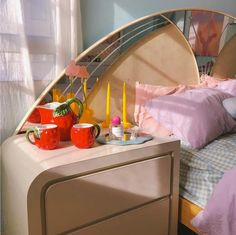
219,216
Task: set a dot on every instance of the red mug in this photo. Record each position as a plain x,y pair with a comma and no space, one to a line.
46,136
83,135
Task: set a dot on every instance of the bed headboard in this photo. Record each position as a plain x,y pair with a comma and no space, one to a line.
150,50
225,64
163,57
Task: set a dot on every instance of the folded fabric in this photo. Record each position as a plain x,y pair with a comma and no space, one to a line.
195,116
230,106
226,85
210,81
145,92
219,216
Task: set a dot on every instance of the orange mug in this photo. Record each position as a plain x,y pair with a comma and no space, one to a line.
45,136
83,135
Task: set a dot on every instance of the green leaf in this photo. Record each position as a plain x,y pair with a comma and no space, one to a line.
61,110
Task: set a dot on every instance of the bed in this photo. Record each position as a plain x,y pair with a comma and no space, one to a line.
223,68
199,176
160,57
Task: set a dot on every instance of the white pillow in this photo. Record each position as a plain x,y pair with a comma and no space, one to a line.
230,106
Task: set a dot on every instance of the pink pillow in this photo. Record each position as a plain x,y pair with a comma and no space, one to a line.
227,85
145,92
210,81
196,116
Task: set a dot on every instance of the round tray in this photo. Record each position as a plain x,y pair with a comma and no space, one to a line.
142,138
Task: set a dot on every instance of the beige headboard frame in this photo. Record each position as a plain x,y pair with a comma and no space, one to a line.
164,57
225,64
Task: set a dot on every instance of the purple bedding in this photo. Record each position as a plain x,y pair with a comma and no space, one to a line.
219,216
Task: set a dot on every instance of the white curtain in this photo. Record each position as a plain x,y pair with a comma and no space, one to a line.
38,38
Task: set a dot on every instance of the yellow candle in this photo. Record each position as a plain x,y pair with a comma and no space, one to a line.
85,88
124,104
85,93
108,103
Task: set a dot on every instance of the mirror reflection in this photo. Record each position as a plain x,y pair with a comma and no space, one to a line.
207,32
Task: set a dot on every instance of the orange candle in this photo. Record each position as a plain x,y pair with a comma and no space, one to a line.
57,95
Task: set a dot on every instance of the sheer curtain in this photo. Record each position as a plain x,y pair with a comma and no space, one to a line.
38,38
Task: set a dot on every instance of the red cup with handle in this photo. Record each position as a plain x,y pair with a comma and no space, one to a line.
45,136
83,135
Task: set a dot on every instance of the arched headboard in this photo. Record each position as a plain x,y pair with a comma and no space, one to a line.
156,53
163,57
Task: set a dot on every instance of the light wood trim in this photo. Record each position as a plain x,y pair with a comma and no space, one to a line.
187,211
224,66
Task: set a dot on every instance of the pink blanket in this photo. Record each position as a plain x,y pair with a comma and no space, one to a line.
219,216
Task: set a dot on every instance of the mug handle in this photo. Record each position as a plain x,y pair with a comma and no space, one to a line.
34,130
98,130
79,103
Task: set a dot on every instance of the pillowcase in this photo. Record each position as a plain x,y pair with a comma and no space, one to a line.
210,81
196,116
226,85
144,120
145,92
230,106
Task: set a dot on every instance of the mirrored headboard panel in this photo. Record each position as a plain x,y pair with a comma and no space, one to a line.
207,33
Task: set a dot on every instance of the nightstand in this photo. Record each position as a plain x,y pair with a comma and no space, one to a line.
104,190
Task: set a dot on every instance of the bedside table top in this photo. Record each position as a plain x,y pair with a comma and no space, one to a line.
68,153
32,163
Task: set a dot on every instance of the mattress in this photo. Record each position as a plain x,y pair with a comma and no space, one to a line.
201,170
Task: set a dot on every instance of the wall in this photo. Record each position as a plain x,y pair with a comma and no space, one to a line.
100,17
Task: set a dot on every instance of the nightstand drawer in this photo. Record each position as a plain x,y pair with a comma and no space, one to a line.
77,202
139,222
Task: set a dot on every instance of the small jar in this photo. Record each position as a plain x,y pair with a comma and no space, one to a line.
116,129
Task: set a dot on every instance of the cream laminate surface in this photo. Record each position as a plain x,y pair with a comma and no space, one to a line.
28,172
